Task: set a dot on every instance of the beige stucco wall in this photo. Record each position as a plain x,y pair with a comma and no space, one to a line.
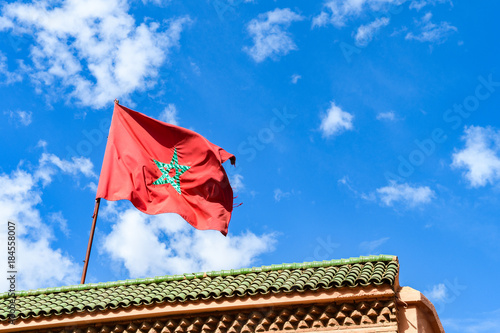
416,313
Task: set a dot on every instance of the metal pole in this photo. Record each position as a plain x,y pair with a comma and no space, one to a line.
91,238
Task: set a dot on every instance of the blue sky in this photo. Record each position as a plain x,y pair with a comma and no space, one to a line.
359,126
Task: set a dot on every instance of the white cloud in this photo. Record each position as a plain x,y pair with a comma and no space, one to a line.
295,78
365,33
41,144
50,164
39,264
195,67
335,121
481,156
405,194
431,32
347,183
58,219
22,118
371,246
279,194
344,180
269,34
237,183
419,4
92,187
338,12
438,293
149,245
161,3
7,77
390,115
93,49
169,115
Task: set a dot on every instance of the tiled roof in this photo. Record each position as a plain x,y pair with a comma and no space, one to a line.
284,278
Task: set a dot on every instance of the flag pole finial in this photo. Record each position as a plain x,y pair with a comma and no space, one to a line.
117,101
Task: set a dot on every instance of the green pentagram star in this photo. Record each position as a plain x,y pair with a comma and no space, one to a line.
165,170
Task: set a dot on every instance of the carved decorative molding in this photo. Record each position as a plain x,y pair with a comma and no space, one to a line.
323,317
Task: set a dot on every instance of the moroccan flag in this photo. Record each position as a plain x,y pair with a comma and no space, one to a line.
162,168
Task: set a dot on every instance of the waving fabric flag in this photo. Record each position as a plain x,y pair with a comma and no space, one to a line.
162,168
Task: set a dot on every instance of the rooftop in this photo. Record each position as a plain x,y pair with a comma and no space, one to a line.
283,278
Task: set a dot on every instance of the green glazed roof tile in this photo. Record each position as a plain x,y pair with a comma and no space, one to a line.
298,277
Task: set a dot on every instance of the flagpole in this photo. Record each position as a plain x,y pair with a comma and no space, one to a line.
91,238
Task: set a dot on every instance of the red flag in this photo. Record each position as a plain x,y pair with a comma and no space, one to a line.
162,168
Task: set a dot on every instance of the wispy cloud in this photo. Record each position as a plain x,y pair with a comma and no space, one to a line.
58,219
347,183
390,116
365,33
50,164
445,293
280,194
269,34
338,12
93,49
169,115
7,77
20,118
237,183
295,78
437,293
483,322
431,32
480,157
405,194
335,121
419,4
160,3
369,247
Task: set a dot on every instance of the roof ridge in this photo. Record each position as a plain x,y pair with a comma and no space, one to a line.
190,276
